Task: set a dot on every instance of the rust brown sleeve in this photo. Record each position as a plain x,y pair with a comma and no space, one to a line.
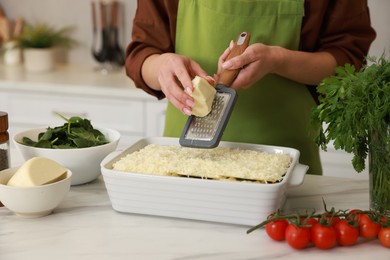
153,32
342,28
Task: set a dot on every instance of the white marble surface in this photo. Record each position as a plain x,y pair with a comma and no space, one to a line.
85,226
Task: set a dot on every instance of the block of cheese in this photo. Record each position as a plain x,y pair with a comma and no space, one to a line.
37,171
203,95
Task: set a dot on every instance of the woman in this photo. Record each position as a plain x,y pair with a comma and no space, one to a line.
294,45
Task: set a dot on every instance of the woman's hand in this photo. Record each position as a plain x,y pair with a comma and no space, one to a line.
259,60
172,74
255,62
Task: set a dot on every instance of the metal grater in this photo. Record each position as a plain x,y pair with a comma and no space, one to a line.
206,132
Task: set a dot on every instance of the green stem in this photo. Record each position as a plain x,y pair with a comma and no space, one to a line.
55,140
379,167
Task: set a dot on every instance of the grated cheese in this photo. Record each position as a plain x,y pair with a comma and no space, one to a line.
217,163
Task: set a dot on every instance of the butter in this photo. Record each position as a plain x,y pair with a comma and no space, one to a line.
37,171
203,95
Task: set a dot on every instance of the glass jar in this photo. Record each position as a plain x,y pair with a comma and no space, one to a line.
379,169
4,141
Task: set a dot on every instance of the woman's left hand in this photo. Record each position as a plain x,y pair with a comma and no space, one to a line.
258,60
255,62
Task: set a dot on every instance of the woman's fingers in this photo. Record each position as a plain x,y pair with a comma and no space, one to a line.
224,56
173,91
239,62
175,79
254,63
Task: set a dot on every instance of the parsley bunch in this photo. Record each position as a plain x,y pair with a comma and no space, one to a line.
354,110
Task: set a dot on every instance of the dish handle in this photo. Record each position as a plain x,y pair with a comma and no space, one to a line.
297,175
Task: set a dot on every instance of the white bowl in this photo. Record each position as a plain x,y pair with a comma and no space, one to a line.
83,162
36,201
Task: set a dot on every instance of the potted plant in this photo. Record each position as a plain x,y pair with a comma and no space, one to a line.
354,113
9,30
38,42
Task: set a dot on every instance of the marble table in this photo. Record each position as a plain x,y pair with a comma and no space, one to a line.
85,226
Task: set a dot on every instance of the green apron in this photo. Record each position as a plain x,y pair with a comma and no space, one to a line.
274,111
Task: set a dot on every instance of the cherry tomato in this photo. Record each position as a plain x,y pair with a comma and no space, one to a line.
353,213
346,234
312,221
276,229
329,218
297,237
368,228
384,236
309,222
364,218
323,237
334,220
385,221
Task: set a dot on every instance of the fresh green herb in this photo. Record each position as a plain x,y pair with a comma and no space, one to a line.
354,112
354,105
75,133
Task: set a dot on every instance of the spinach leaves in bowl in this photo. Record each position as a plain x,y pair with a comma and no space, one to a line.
75,133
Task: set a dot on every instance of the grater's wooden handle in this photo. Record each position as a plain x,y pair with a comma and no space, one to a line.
226,77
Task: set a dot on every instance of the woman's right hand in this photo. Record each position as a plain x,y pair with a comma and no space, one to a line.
172,74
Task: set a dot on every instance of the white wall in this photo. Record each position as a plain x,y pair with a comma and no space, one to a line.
380,18
78,13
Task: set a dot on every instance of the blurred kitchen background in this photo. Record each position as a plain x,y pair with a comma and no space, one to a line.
77,13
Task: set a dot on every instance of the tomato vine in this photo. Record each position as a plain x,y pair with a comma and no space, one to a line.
327,229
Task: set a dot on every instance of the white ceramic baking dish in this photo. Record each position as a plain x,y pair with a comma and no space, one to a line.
234,202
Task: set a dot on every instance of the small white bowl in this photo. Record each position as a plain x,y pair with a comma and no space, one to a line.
83,162
32,202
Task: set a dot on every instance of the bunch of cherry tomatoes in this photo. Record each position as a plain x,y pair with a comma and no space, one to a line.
328,229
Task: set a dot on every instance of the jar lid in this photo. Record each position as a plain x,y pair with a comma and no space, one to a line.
3,121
